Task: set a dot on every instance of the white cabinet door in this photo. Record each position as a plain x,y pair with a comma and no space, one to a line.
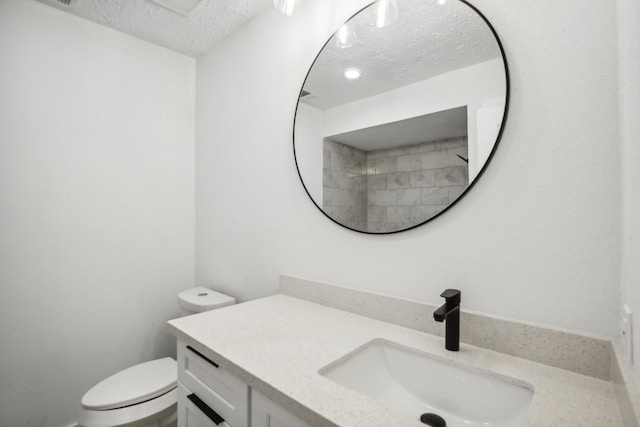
192,415
265,413
210,391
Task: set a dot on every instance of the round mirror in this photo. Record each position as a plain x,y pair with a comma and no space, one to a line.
400,113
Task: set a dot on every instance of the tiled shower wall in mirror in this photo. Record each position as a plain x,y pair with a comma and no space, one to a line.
344,184
391,189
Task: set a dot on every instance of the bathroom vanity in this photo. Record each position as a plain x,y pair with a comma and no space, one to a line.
269,362
208,395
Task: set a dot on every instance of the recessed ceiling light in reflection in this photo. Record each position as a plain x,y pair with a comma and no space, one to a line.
352,73
441,2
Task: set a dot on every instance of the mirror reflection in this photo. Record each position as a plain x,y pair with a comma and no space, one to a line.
399,115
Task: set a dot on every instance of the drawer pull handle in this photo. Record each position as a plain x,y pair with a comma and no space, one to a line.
203,356
210,413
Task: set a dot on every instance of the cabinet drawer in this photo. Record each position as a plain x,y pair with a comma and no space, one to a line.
218,389
190,415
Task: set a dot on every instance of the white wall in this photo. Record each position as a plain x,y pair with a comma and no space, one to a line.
465,86
97,206
309,148
629,15
537,239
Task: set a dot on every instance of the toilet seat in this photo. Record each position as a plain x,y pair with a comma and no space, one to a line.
142,391
133,385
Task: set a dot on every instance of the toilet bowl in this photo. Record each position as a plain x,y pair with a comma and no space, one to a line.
145,395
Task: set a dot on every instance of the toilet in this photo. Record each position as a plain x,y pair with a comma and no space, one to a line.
145,395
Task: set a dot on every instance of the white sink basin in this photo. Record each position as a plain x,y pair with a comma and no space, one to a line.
415,383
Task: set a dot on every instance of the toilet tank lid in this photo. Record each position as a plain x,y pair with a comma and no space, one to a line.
133,385
203,299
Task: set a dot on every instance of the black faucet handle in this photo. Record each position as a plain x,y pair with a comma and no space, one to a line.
451,296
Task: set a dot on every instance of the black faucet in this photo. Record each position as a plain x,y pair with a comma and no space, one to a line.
450,314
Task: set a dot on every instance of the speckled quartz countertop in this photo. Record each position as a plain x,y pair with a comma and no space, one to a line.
278,344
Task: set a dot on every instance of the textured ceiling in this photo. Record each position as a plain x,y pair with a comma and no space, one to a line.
210,21
427,39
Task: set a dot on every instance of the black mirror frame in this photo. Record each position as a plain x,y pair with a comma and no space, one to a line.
480,172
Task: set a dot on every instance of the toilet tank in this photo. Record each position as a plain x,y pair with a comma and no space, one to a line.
197,300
